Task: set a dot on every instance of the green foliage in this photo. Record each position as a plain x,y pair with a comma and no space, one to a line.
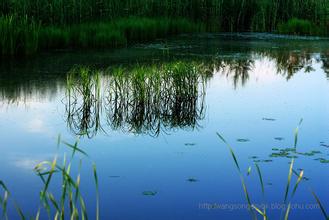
24,36
299,27
18,35
224,15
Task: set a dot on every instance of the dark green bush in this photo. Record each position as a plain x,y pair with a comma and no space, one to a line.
297,26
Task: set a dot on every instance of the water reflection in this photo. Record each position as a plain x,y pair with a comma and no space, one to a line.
83,101
147,98
237,70
139,100
325,63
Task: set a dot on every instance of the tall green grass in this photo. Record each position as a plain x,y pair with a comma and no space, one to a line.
18,35
68,204
225,15
25,36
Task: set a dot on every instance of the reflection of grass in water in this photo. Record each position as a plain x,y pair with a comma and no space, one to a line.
83,101
150,98
144,99
69,202
288,194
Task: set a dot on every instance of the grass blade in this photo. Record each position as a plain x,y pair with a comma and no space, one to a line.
321,206
249,171
20,212
75,148
296,132
260,178
300,177
286,216
97,192
231,151
289,181
260,212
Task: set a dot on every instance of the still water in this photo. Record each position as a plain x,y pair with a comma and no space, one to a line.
147,116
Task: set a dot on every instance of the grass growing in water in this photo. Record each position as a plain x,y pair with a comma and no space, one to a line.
69,203
254,210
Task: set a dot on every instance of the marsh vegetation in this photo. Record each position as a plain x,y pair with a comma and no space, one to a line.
45,25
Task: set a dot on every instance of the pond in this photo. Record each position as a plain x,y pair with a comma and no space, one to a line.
148,117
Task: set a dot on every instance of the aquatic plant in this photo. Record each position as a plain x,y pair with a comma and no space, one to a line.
288,194
69,203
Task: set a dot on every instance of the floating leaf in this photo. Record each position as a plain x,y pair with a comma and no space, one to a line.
242,140
192,180
149,193
190,144
269,119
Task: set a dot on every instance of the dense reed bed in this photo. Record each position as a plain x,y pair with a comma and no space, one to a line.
18,35
113,23
25,36
225,15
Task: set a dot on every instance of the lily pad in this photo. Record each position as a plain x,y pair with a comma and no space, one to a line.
316,152
190,144
149,193
324,161
192,180
280,154
242,140
269,119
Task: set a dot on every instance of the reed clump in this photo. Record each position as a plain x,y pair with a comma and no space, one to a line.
225,15
27,36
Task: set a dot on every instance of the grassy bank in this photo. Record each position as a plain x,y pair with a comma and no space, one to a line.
224,15
45,24
297,26
25,36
